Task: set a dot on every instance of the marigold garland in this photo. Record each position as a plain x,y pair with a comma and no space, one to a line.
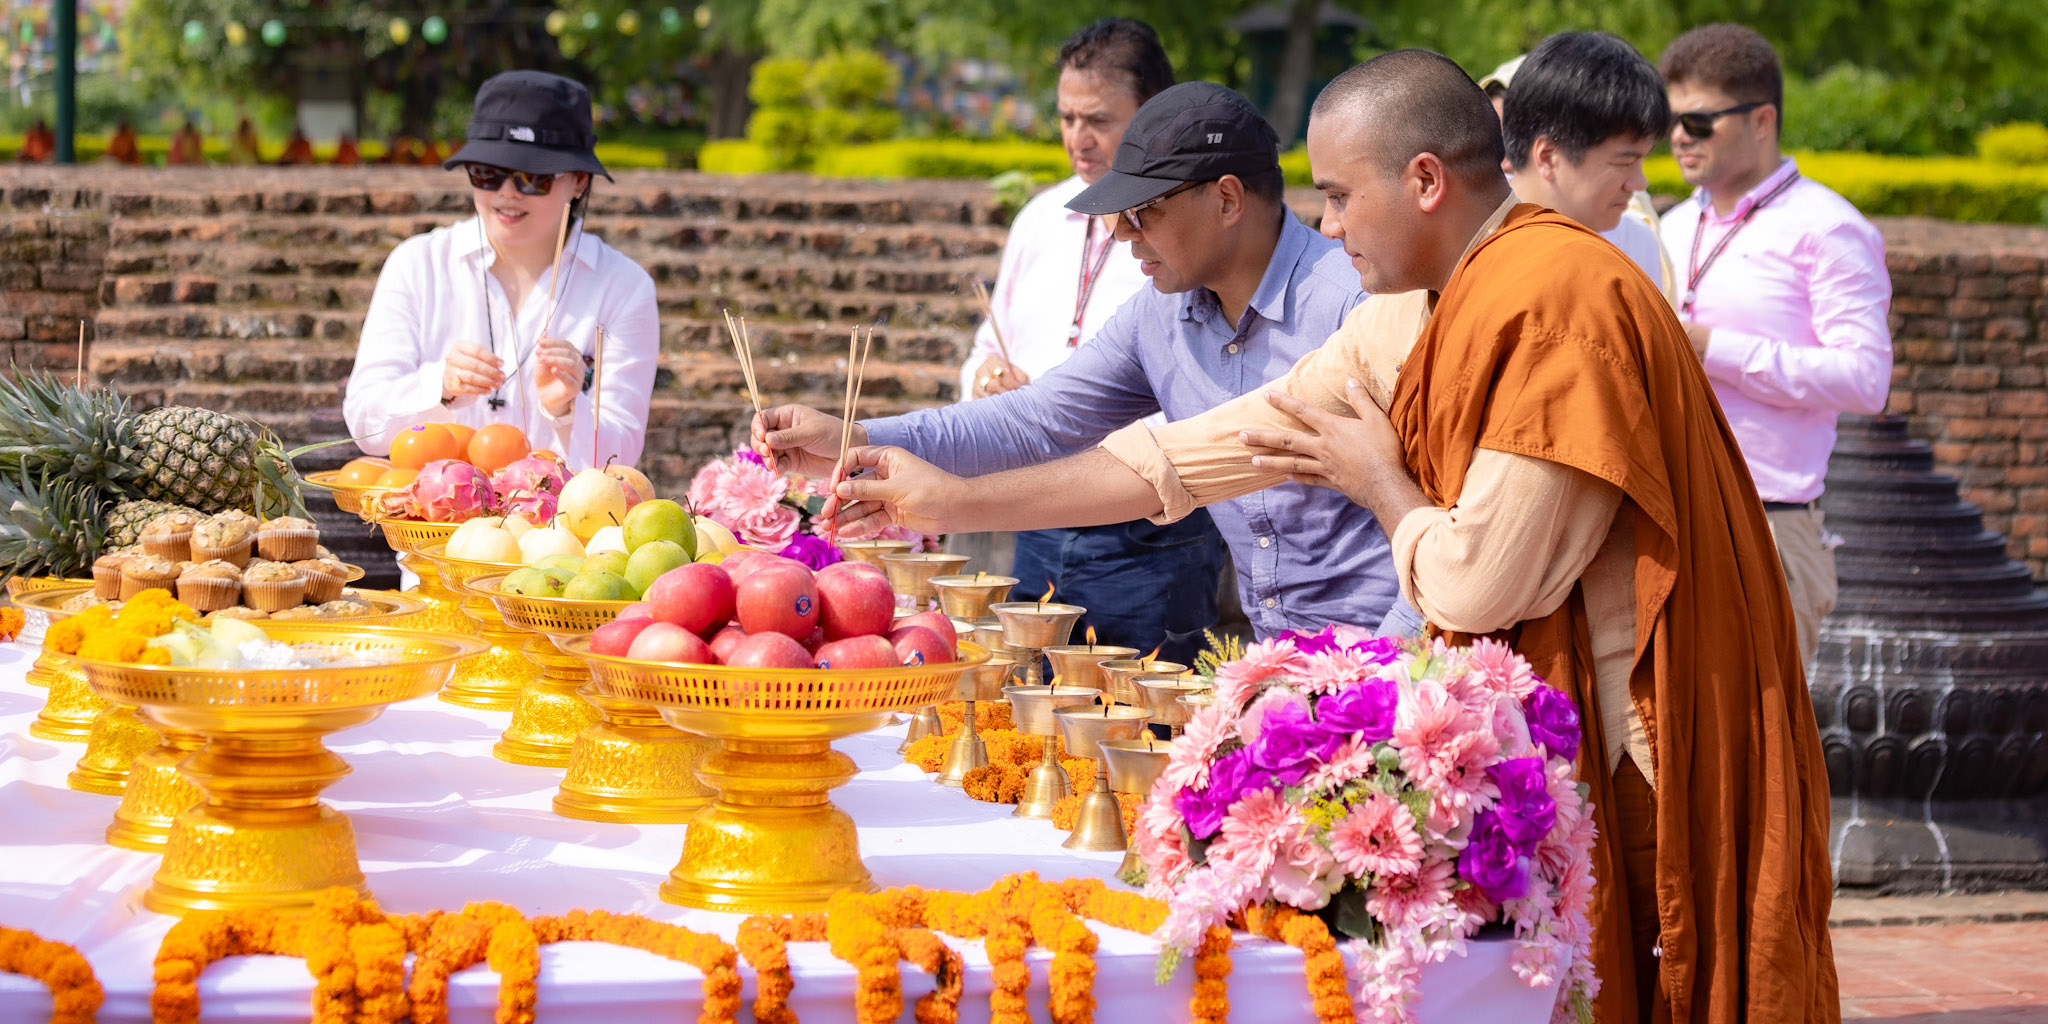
74,992
708,953
1067,811
13,619
928,753
1329,990
988,714
764,942
196,942
1211,1002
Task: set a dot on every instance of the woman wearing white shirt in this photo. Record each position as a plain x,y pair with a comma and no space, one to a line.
1063,275
463,327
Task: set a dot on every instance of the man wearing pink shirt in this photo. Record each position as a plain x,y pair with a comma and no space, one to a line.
1782,289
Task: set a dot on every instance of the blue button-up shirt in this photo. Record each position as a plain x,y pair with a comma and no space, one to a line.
1306,556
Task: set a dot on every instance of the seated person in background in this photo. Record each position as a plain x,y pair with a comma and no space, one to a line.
345,154
429,154
245,148
297,149
188,148
39,145
121,149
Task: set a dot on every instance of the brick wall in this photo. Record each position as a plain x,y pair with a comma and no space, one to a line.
244,290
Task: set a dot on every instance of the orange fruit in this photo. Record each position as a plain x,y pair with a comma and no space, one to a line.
362,472
398,476
463,432
421,443
497,446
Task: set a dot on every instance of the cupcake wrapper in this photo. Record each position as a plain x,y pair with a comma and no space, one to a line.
132,585
106,583
322,588
274,595
234,554
175,546
287,545
210,595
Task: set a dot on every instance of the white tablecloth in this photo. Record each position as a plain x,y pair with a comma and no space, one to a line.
439,822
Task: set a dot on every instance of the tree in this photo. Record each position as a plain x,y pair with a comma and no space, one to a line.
628,44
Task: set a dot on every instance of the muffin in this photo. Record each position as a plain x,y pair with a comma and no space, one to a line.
211,586
227,537
243,612
345,608
304,611
289,539
273,587
82,601
320,551
148,572
324,578
106,574
169,535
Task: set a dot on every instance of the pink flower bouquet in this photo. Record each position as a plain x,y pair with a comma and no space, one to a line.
1411,795
775,511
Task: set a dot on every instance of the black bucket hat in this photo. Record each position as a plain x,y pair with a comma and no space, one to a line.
531,121
1194,131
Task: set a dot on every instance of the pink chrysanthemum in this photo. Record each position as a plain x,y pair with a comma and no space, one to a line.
1377,837
1352,761
1252,722
1427,716
1265,660
1454,774
735,487
1254,829
1327,671
1187,766
1402,900
1497,667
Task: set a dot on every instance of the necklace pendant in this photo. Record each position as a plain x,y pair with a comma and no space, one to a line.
496,403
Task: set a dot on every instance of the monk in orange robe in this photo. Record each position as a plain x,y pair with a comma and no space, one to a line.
122,147
1555,473
38,144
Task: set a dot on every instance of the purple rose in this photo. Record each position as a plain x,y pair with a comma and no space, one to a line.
1526,808
1491,860
1290,745
1553,721
1366,708
1313,643
816,552
749,455
1229,777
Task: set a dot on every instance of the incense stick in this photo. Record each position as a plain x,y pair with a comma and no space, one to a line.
597,396
743,350
81,353
555,271
988,310
856,368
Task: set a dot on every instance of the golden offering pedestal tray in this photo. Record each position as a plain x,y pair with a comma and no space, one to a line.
772,841
547,715
489,682
350,498
70,708
1100,824
261,837
624,763
32,631
1133,766
135,757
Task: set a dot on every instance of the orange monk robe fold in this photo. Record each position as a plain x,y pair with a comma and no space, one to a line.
1547,342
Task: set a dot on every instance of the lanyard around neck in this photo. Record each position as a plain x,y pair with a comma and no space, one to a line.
1089,277
1694,269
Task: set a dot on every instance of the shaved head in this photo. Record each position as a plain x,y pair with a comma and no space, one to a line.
1409,102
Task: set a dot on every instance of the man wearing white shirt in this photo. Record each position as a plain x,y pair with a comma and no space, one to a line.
1062,276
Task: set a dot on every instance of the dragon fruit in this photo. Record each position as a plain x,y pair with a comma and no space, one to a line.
530,488
450,492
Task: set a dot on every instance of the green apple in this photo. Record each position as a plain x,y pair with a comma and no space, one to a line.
573,564
613,562
660,519
598,585
652,559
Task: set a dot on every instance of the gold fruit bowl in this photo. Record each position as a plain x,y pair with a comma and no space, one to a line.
261,837
624,763
772,842
350,498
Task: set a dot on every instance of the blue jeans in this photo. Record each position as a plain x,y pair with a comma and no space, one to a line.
1144,585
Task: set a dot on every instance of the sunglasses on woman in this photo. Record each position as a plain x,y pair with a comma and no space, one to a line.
1700,123
488,178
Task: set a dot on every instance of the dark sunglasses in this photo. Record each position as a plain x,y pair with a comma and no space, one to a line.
488,178
1700,123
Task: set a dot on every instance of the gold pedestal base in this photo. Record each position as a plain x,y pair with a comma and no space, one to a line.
68,713
491,681
545,723
772,842
231,861
157,793
119,736
1100,827
633,768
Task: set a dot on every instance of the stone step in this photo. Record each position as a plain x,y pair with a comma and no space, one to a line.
158,362
199,321
308,292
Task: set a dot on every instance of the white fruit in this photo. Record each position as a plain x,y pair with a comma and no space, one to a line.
517,526
540,542
611,538
493,544
592,501
713,536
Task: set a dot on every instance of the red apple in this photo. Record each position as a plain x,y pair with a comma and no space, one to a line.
616,638
697,597
815,640
779,600
723,644
858,652
851,566
769,650
666,641
916,645
852,603
939,624
636,610
760,561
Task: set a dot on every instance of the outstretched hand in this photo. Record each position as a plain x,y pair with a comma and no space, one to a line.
1359,455
799,439
898,489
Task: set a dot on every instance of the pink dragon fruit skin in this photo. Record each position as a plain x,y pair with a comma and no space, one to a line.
529,488
449,491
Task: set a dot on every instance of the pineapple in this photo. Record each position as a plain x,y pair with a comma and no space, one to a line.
49,529
125,522
197,457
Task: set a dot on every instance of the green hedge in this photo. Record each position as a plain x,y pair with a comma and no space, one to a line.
156,148
1951,188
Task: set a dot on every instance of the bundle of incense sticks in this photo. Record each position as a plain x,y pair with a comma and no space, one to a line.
988,310
857,349
554,274
597,399
742,347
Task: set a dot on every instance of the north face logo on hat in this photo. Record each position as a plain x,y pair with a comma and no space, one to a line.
520,133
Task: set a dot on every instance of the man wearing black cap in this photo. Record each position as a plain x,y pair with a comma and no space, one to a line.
1241,289
495,319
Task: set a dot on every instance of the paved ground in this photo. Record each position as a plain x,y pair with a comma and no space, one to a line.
1943,960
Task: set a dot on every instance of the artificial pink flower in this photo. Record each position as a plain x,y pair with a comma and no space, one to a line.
1264,660
1328,671
1352,761
770,527
1378,837
1254,829
1497,667
1399,901
1510,727
736,487
1427,716
1187,766
1304,874
1252,721
1158,839
1454,774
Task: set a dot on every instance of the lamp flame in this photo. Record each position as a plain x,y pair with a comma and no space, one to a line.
1091,636
1043,601
1152,657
